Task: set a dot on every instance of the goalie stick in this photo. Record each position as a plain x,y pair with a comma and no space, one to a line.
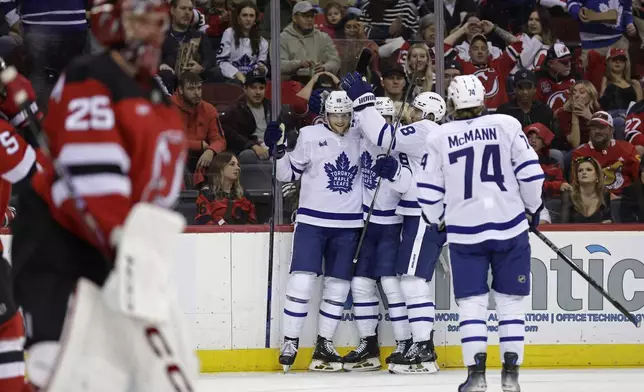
587,278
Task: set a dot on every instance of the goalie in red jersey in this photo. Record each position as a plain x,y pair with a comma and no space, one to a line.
93,238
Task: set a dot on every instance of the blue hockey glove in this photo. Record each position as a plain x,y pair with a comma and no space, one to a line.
316,102
358,90
534,217
386,167
274,137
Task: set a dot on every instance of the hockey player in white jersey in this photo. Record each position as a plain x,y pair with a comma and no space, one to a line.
328,223
482,178
421,244
377,259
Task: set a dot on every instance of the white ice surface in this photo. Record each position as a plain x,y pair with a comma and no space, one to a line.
592,380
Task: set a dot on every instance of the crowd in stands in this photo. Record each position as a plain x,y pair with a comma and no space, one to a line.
571,72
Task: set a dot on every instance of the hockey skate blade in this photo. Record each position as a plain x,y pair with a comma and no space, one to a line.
366,365
328,367
286,368
416,368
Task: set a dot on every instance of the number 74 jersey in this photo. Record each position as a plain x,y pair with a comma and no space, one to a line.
483,175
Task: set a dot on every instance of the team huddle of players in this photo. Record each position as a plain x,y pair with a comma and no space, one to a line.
474,182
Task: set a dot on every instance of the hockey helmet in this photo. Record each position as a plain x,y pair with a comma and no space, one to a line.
430,103
385,106
338,111
466,91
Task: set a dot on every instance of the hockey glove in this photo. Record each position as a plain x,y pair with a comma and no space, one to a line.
8,106
387,167
534,217
274,137
316,103
358,90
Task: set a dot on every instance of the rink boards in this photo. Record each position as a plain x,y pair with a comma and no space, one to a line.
222,276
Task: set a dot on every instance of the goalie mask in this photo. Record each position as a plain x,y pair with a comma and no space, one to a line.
338,112
385,106
428,106
135,28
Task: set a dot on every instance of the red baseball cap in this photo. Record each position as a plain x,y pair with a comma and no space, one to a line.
602,118
616,52
542,131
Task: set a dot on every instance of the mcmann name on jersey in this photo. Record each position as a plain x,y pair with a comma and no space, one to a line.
472,135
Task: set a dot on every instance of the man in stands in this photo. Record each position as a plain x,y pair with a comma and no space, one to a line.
620,163
635,127
555,78
185,48
524,107
203,130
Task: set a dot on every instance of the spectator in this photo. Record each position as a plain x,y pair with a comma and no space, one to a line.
471,27
618,89
638,19
419,66
217,14
55,33
452,69
223,201
286,11
304,50
398,48
573,117
524,107
635,127
602,24
12,38
537,38
586,202
389,19
203,130
454,12
242,48
315,92
334,12
352,41
393,85
554,78
492,72
184,48
620,163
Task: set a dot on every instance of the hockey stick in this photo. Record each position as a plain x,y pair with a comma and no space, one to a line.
587,278
271,247
375,193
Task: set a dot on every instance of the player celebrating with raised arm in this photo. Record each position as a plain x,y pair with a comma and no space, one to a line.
421,244
329,218
96,225
482,176
377,259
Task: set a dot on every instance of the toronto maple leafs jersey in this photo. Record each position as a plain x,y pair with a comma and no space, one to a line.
482,175
232,58
389,195
409,143
329,166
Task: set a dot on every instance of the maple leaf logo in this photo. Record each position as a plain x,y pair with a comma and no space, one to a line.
612,5
244,64
341,175
369,177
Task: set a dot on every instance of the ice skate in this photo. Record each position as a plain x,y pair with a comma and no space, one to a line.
402,346
365,357
325,357
288,353
475,381
510,373
419,359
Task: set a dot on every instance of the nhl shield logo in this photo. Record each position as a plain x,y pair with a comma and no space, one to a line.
369,178
341,175
521,279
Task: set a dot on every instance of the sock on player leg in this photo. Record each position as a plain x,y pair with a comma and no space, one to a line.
365,305
12,365
472,311
397,307
511,311
420,306
298,294
334,296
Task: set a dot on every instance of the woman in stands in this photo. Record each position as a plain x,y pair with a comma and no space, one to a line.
537,38
419,65
350,41
573,117
618,89
586,203
223,201
242,49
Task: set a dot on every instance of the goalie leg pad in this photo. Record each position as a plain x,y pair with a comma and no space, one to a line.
105,350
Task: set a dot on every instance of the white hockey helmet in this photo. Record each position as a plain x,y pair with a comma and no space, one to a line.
466,91
430,103
385,106
338,103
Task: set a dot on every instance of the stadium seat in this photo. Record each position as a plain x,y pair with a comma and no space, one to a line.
219,94
187,205
256,178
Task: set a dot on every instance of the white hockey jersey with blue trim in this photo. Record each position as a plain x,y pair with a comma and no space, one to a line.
389,195
329,166
482,175
409,143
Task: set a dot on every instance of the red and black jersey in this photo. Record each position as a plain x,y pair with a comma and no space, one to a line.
121,140
17,163
619,161
635,124
551,92
224,208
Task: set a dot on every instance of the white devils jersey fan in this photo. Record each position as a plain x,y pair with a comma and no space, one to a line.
92,244
635,125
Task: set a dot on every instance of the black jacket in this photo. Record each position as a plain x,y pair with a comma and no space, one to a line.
539,112
170,48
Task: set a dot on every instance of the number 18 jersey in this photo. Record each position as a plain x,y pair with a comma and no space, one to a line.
485,173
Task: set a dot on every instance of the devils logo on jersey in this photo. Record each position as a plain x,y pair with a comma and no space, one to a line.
490,79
